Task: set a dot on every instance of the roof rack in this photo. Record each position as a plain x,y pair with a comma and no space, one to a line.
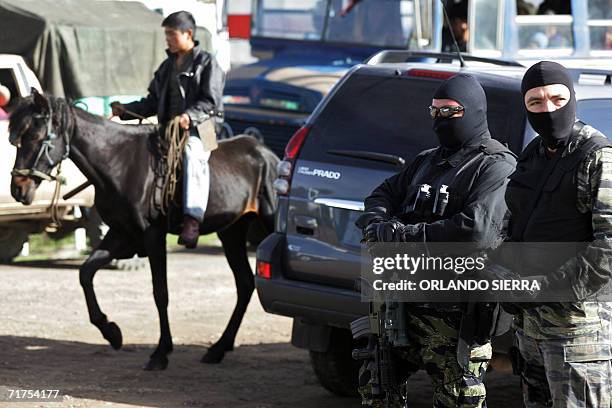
591,76
399,56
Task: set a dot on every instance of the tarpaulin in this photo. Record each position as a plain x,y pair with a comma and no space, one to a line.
82,48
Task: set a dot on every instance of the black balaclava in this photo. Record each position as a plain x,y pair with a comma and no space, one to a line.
472,127
554,127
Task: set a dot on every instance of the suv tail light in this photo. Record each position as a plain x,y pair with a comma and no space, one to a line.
282,184
264,270
427,73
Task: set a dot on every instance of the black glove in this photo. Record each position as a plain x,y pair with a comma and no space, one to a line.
375,214
385,231
410,233
392,231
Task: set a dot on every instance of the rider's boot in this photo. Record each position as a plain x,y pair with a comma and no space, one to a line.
191,232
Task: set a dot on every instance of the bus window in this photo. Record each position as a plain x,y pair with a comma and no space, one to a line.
382,23
458,16
544,25
600,24
291,19
486,29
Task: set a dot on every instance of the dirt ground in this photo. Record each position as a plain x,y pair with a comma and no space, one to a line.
47,342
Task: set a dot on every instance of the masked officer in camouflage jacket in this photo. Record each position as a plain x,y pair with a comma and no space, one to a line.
474,167
562,192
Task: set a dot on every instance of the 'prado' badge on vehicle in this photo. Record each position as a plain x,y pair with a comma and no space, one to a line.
334,175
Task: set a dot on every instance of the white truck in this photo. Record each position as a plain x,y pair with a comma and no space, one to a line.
17,221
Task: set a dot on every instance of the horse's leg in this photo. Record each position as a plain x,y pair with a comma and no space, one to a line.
234,245
110,247
155,243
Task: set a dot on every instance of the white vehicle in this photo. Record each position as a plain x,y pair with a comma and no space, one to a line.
16,220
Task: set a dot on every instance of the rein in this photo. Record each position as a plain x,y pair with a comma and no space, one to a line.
175,139
137,116
171,149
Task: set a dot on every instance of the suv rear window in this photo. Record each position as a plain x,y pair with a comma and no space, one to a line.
386,114
374,114
596,112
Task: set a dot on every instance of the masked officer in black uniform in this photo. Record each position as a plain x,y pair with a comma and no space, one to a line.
468,173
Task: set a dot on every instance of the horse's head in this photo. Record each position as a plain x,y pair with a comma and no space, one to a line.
38,128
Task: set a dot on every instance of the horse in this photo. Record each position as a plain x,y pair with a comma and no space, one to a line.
118,159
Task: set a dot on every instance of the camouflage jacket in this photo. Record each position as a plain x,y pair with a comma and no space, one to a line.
560,320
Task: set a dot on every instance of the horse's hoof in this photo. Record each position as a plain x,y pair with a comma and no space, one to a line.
112,333
213,356
156,364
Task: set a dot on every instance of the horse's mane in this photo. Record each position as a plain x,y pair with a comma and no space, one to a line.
63,110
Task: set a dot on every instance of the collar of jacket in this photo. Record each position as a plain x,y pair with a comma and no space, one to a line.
459,156
196,51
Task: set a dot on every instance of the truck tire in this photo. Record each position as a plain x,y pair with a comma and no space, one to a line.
335,368
11,242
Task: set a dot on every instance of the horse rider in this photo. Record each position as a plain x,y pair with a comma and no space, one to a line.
188,84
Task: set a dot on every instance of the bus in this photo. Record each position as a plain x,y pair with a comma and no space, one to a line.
305,46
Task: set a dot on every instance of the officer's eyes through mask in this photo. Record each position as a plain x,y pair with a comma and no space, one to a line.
444,111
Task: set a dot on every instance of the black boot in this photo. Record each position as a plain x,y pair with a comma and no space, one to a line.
191,232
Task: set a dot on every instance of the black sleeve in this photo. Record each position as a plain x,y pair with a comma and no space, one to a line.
210,95
387,197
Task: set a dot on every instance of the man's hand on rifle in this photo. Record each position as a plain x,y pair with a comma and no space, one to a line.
184,121
391,231
385,231
117,109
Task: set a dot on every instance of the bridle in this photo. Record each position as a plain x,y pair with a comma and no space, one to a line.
45,148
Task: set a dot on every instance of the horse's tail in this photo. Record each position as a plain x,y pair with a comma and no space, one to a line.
267,194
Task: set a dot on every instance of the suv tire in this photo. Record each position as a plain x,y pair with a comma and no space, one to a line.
335,368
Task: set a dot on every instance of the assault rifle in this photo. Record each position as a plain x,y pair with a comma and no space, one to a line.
384,327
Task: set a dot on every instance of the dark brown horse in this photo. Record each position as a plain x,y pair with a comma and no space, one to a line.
119,161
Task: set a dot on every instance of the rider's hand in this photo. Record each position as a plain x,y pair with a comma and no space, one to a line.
117,108
184,121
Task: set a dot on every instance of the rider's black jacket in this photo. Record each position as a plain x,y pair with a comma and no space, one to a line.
201,86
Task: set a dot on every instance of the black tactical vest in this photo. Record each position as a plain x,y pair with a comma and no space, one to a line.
542,194
458,179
